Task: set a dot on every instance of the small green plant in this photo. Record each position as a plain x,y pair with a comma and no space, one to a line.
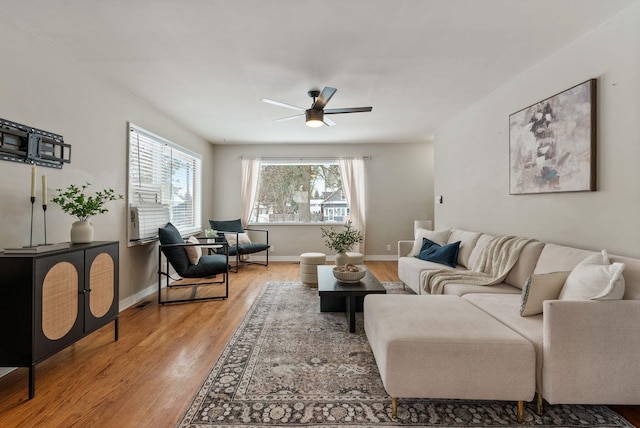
75,202
340,242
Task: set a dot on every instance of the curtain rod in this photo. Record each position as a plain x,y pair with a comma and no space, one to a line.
302,158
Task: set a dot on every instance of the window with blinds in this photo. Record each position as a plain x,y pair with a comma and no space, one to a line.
164,185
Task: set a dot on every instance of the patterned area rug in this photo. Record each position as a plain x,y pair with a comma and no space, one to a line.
288,364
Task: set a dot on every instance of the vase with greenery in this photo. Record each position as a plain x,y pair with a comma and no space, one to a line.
74,201
341,242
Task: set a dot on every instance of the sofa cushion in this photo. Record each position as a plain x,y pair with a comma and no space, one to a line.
556,258
194,252
437,236
446,255
482,242
454,289
538,288
410,268
506,309
525,265
595,278
467,243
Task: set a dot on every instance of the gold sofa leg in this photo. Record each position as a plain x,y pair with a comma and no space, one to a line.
540,405
394,408
520,412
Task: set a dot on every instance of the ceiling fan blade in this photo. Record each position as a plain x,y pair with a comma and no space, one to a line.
348,110
284,119
328,121
281,104
324,97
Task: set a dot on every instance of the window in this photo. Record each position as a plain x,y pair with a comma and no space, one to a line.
164,185
300,192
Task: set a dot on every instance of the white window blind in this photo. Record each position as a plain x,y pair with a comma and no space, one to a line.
164,185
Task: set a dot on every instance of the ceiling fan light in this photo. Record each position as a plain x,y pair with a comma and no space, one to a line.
314,118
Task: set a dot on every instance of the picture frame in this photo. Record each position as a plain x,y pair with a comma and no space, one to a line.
552,143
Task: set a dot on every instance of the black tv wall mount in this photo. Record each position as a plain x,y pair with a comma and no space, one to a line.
24,144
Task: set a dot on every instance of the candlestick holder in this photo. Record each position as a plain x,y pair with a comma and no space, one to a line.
33,201
44,210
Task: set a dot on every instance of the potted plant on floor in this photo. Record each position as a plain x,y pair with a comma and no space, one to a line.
75,202
341,242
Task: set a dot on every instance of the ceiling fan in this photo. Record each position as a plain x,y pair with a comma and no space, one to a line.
315,116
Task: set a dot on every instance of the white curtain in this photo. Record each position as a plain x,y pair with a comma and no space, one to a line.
352,170
249,189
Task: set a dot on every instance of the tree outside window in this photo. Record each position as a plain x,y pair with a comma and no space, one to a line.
300,193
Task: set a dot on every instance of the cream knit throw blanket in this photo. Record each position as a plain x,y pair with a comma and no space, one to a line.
494,264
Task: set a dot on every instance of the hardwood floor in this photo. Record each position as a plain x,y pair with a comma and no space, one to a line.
148,377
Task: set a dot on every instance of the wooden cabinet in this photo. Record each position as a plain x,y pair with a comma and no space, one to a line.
49,301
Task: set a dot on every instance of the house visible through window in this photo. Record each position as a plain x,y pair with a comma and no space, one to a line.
300,192
164,185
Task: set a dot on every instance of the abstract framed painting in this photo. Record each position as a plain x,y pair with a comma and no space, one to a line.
552,144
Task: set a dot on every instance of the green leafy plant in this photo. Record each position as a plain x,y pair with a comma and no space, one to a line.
75,202
340,242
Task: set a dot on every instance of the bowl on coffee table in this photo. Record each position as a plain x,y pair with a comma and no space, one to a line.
349,273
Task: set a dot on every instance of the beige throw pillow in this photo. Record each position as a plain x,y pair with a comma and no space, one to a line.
242,237
595,278
193,252
538,288
438,236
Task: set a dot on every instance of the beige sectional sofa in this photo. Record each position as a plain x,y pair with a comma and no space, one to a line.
585,351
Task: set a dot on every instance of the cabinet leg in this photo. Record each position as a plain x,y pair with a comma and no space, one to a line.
117,328
32,381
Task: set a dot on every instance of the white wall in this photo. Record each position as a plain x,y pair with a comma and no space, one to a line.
40,87
399,186
472,150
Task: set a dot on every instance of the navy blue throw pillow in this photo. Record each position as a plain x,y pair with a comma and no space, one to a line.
446,255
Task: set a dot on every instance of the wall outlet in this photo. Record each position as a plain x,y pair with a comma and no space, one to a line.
388,247
272,249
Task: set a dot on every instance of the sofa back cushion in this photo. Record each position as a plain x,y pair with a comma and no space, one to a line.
523,268
467,240
556,258
480,244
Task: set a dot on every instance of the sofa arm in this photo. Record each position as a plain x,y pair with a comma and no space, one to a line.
591,351
404,247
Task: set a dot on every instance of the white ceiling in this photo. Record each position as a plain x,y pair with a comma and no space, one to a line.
207,63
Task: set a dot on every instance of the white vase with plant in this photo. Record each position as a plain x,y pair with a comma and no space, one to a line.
341,242
75,202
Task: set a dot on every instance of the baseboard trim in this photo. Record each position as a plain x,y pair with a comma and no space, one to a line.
330,258
139,296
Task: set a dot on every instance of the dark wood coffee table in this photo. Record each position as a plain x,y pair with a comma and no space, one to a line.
336,296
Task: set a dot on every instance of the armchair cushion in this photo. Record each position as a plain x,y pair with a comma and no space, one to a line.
227,225
247,248
207,266
176,256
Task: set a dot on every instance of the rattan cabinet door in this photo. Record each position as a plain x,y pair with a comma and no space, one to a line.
59,311
101,285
